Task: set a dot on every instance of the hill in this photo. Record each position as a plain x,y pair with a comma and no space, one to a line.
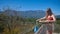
57,16
26,14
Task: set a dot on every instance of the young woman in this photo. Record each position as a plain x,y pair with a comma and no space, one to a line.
50,19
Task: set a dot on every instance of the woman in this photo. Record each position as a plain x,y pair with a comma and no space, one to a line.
50,19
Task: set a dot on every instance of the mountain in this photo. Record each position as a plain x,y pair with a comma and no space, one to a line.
32,14
57,16
26,14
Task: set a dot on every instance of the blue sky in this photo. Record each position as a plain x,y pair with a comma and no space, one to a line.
32,5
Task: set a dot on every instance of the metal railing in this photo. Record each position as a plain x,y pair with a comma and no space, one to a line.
41,30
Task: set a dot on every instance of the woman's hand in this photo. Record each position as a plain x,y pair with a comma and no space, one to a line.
38,19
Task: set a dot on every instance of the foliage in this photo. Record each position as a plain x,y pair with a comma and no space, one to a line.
12,24
16,24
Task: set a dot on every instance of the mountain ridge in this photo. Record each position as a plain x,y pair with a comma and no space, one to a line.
27,14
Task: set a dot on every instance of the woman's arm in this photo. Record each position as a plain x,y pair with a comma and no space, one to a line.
41,19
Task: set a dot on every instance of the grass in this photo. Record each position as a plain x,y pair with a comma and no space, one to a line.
27,29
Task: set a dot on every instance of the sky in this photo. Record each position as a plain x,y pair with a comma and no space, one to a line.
25,5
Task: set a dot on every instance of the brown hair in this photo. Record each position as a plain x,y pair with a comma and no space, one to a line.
48,12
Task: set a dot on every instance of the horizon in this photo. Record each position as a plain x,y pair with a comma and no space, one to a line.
25,5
